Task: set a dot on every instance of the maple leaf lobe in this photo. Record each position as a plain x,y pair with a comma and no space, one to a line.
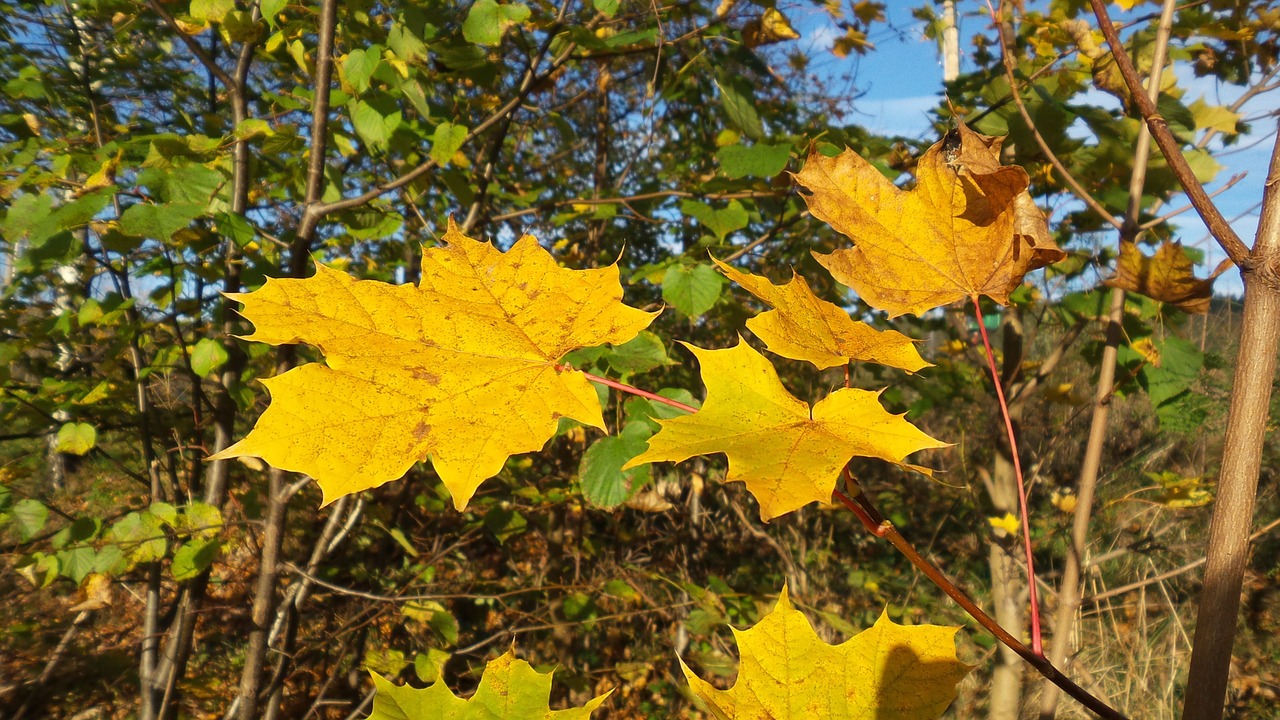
462,368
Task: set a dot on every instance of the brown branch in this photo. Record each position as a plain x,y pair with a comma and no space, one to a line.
1174,213
1170,147
1076,188
316,211
862,506
194,47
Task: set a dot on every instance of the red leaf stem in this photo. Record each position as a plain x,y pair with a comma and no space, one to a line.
1037,644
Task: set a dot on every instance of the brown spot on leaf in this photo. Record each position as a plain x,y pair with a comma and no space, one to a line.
422,430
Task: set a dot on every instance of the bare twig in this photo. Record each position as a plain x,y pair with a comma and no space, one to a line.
1085,196
1170,147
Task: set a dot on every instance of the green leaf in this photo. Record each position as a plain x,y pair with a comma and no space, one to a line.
720,221
646,410
76,438
642,353
359,66
429,665
1180,365
207,356
739,106
604,482
372,126
504,523
272,8
389,662
606,7
692,290
110,561
488,20
29,516
201,519
211,10
406,44
234,227
140,536
165,512
194,557
76,563
184,183
759,160
159,222
446,141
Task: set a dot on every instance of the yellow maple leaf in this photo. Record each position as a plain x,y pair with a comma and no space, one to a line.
787,454
787,672
771,27
1005,526
805,327
1168,276
462,367
510,689
967,228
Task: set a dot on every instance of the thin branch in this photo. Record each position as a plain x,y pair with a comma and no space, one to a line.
316,211
1016,95
1170,147
1174,213
194,47
862,507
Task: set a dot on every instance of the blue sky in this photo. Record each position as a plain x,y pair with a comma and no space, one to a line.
902,80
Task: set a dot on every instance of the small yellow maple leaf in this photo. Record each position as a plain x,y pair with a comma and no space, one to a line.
462,367
787,672
1168,277
787,454
510,689
771,27
1064,500
968,228
1006,525
805,327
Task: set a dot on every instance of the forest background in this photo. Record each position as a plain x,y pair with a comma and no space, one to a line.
157,154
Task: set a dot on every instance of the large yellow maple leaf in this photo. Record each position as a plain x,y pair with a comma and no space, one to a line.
967,228
803,326
1168,276
462,367
510,689
787,454
786,672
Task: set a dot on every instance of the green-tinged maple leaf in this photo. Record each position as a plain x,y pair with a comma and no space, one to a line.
787,454
510,689
786,672
805,327
462,368
968,227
